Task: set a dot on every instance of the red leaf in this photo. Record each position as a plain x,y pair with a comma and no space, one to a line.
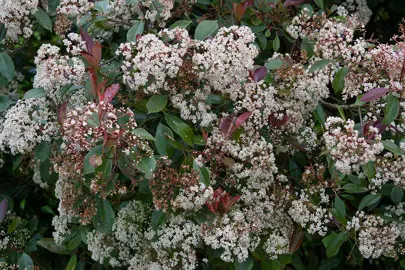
205,135
259,74
88,39
100,89
240,120
3,209
97,52
110,92
90,59
374,94
226,124
251,74
239,10
94,84
296,241
62,112
289,3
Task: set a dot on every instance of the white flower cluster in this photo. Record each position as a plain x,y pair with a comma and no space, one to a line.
189,70
389,168
193,198
55,71
134,243
26,124
348,149
359,8
232,233
314,218
75,8
16,16
376,237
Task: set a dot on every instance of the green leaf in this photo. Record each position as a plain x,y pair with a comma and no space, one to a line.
369,200
181,128
391,110
104,219
204,173
49,244
352,188
136,29
276,44
101,6
161,141
25,262
270,265
397,194
333,242
4,103
6,66
35,93
13,225
87,167
319,64
146,165
142,133
340,207
72,263
74,242
180,24
319,114
43,151
338,82
245,265
156,103
274,64
391,146
43,19
320,3
308,46
158,218
205,29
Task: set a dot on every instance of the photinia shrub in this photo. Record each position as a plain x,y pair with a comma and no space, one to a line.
265,134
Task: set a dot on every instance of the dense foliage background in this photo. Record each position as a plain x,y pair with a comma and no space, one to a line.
263,134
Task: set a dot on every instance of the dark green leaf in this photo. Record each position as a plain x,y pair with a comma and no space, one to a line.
369,200
142,133
180,24
161,141
4,103
391,110
276,44
205,29
245,265
72,263
136,29
43,151
6,66
333,243
391,146
158,218
156,103
25,262
274,64
35,93
397,194
319,64
104,219
43,19
352,188
338,82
